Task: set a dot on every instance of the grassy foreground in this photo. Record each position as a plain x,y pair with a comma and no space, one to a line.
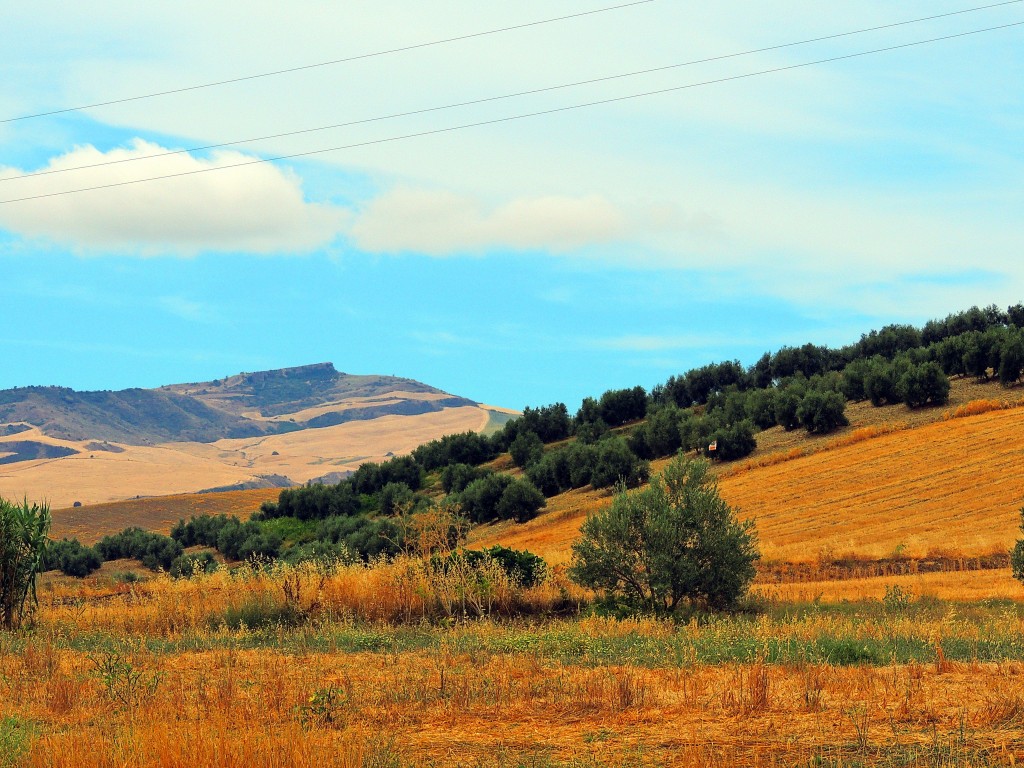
394,666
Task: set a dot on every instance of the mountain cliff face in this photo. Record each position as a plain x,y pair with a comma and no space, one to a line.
242,406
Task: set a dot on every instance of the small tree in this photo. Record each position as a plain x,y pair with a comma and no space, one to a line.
821,412
1017,553
674,541
23,530
526,449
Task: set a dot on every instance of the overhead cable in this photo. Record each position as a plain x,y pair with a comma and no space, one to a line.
530,92
332,62
551,111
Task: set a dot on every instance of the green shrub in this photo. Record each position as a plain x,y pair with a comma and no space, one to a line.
189,565
23,529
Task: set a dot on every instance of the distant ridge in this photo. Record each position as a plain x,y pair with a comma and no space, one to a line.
240,406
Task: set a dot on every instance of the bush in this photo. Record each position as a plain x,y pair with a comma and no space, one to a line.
520,501
153,550
821,412
924,384
880,383
188,565
455,477
526,449
733,441
525,568
787,403
615,463
1017,554
675,541
551,474
71,557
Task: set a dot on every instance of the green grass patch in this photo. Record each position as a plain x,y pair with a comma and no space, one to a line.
16,737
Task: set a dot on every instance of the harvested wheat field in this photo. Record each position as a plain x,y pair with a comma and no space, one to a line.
117,472
90,523
953,485
872,491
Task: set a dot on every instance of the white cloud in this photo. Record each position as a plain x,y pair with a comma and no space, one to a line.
443,223
256,209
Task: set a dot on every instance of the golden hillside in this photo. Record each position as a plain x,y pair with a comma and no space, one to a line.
896,482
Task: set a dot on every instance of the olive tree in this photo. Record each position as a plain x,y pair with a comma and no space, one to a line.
671,543
1017,553
23,529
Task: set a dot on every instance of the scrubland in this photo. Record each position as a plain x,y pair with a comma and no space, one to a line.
884,629
405,664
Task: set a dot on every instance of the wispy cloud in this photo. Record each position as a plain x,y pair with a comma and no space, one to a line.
443,223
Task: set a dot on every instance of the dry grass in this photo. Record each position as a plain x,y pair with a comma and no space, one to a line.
896,480
137,673
178,468
90,523
961,586
949,485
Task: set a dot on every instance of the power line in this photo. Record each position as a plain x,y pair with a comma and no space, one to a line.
327,63
523,116
517,94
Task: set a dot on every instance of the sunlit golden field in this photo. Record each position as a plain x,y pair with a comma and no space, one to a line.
900,482
884,629
391,666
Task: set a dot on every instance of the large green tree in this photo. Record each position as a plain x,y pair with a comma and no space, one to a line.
23,529
672,543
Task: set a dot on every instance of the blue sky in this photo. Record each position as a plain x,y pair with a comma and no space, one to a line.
521,263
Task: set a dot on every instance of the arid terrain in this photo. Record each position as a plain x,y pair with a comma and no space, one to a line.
884,629
315,424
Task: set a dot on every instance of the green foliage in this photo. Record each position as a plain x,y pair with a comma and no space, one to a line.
189,565
23,529
463,448
1017,554
760,407
787,404
364,537
731,441
821,412
154,550
455,477
880,380
520,501
326,553
499,497
854,375
924,384
526,449
15,736
523,567
71,557
550,423
615,463
671,543
1011,364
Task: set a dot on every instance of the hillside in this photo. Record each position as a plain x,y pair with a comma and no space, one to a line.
252,430
895,482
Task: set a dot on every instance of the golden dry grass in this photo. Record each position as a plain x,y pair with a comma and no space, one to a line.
965,586
141,676
90,523
896,480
